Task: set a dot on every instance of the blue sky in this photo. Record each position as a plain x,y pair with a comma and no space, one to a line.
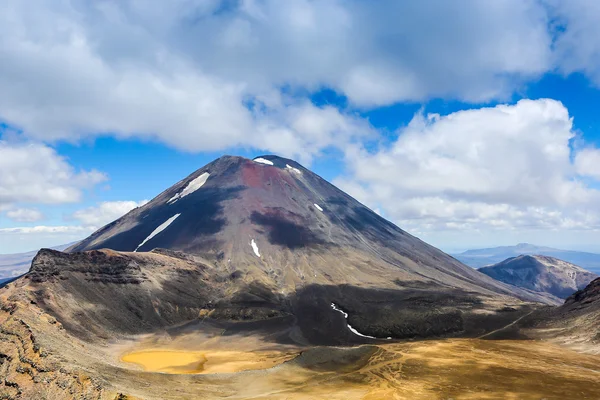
469,124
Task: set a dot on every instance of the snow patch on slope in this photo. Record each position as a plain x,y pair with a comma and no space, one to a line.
263,161
191,187
318,207
296,170
345,314
255,248
158,230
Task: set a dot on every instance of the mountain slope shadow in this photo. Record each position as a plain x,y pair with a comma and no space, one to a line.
191,234
286,229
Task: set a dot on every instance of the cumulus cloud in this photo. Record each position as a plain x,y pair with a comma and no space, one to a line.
210,75
21,239
25,215
503,167
105,212
587,162
577,44
203,75
88,220
35,173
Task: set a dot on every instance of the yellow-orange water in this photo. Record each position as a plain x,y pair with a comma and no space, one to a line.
204,362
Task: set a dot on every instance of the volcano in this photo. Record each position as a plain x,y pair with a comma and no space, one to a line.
240,249
290,243
272,217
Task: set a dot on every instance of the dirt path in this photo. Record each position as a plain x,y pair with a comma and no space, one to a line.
506,326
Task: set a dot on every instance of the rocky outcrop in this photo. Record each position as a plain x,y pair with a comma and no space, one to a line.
96,266
30,371
590,295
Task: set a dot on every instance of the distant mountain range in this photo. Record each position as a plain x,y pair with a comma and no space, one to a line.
13,265
484,257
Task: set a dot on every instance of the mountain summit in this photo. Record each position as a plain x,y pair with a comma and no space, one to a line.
279,222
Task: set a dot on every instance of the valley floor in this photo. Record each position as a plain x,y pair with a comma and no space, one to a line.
437,369
40,359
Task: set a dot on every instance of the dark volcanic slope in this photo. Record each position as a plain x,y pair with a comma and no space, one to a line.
541,274
576,322
285,224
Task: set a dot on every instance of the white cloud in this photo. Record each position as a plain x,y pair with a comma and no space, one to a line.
577,46
505,167
209,75
21,239
183,73
35,173
587,162
16,239
304,130
105,212
48,229
25,215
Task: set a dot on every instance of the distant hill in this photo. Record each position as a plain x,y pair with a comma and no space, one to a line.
541,274
13,265
484,257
